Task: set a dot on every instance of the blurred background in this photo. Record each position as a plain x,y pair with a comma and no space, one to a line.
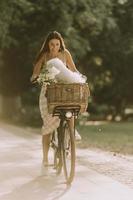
99,35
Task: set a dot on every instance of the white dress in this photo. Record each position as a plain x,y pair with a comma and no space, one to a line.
50,123
65,75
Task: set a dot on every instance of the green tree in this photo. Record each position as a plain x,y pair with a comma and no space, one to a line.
116,48
98,33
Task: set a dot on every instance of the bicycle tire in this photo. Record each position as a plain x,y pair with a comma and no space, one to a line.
57,155
68,151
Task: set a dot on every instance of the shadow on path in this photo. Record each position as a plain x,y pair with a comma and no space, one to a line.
43,187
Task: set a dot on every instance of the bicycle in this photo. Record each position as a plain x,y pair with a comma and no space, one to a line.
63,141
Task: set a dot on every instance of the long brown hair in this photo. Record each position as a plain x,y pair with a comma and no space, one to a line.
45,46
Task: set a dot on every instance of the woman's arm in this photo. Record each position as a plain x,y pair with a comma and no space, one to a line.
69,61
37,68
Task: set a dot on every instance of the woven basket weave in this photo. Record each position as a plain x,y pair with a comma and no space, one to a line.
59,94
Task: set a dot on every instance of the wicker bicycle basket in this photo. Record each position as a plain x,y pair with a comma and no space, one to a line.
59,94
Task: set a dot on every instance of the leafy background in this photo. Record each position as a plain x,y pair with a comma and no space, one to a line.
99,35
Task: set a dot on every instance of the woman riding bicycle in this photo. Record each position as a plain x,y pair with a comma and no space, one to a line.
53,47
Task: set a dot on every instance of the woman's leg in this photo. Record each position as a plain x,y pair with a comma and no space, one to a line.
45,146
77,135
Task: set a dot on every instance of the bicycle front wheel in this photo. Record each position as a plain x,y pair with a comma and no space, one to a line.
68,151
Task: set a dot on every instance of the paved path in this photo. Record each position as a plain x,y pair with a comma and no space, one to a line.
20,177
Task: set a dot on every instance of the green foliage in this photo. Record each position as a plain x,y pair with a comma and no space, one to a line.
98,34
5,20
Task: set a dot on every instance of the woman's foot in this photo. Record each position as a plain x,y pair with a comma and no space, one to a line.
44,169
77,136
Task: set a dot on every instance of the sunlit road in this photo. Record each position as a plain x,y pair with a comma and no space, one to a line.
20,177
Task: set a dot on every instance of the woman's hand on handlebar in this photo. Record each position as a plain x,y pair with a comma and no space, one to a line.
34,78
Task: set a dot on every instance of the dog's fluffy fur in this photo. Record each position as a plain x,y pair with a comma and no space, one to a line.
63,74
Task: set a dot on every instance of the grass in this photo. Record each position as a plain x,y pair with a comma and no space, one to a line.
114,137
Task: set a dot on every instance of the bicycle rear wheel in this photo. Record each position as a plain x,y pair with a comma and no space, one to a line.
56,145
68,151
